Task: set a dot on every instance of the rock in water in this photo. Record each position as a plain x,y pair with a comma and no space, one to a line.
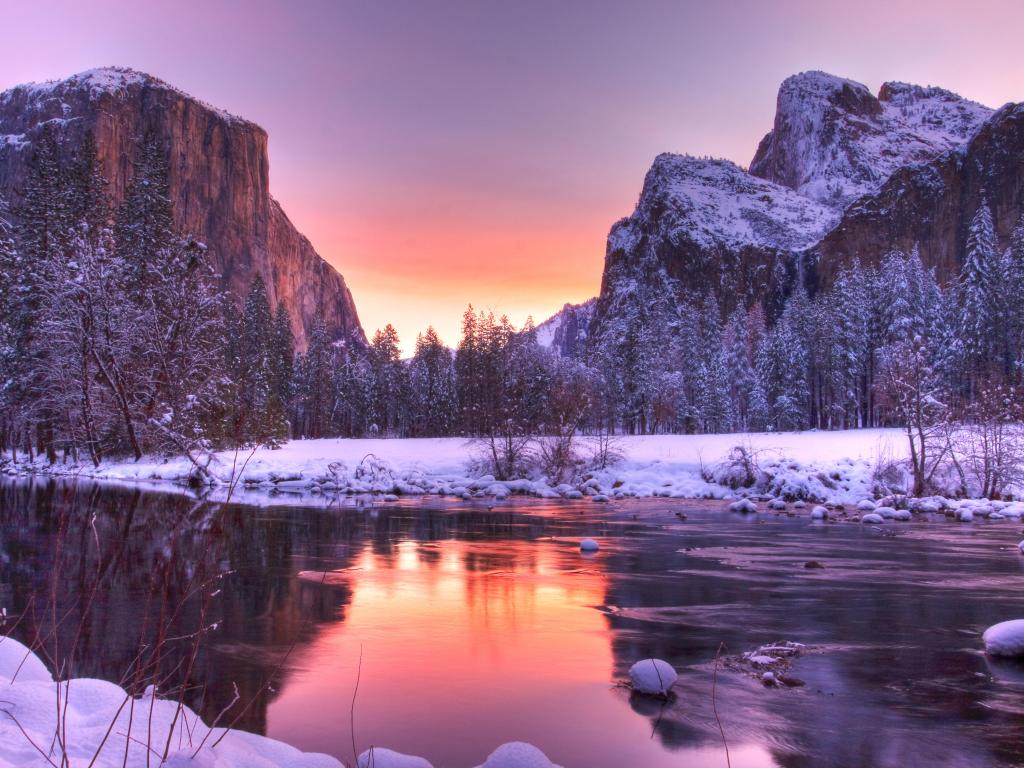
378,757
653,676
819,513
517,754
589,545
872,517
1005,639
745,506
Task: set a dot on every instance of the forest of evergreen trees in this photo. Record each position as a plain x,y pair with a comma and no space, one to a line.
115,341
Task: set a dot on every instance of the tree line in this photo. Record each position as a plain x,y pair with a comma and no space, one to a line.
115,341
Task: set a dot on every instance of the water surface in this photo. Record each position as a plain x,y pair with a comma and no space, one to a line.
468,626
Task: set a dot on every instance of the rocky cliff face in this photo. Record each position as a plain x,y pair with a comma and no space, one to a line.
566,331
219,181
834,141
842,175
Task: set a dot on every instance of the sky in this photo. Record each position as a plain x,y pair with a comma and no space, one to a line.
446,153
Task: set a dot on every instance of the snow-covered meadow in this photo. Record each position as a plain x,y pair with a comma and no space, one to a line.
837,467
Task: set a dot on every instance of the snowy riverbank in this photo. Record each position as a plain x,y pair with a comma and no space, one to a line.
97,723
839,467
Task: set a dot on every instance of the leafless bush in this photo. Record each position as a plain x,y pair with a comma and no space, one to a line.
558,458
740,469
988,447
605,449
911,385
506,456
888,474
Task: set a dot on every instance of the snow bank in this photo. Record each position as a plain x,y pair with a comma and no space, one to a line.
29,703
835,467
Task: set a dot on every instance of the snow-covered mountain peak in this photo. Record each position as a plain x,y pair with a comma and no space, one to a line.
834,141
95,84
716,203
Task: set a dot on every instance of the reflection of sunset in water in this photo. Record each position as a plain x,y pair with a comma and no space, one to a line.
481,626
466,645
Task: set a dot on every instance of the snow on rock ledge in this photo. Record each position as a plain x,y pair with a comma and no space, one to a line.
1005,639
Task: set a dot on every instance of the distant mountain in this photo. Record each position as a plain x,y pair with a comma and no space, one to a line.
843,175
566,331
219,181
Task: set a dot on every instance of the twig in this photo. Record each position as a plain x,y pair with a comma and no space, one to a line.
714,704
352,709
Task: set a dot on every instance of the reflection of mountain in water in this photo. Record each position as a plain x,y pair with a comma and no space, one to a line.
896,679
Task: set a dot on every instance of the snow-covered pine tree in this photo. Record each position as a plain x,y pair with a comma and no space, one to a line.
979,296
432,386
282,362
144,227
316,392
389,380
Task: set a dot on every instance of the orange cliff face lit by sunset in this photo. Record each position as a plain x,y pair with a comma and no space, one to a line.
451,154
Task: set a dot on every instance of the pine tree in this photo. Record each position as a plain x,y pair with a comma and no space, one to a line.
433,386
282,363
979,291
144,228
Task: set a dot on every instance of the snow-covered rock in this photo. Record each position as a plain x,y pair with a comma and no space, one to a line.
872,517
378,757
833,140
745,506
866,505
99,730
819,513
653,676
1005,638
887,512
589,545
517,754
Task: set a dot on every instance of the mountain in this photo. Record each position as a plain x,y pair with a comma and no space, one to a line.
219,181
842,175
565,332
833,141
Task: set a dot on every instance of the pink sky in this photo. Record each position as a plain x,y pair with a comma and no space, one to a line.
445,153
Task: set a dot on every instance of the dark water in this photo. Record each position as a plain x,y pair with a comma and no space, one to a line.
480,626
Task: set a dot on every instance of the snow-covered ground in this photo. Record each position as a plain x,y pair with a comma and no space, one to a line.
97,723
820,466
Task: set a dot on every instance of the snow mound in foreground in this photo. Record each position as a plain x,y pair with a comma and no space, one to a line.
1005,638
95,718
378,757
653,676
517,754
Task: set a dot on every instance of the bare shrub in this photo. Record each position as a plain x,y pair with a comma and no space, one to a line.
505,455
605,449
911,385
740,469
988,447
